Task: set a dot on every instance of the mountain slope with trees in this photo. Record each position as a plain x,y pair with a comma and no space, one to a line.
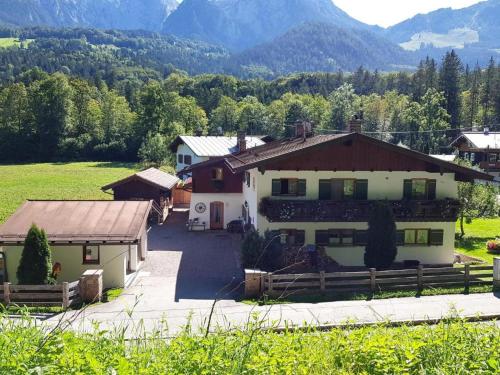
106,14
240,24
324,47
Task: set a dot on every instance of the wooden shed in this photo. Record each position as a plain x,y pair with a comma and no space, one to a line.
150,184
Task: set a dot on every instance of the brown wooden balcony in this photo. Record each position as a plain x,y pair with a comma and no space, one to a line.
487,166
278,210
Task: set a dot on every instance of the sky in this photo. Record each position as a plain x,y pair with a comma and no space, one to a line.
389,12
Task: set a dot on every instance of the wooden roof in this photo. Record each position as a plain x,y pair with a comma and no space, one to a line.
151,176
280,150
79,221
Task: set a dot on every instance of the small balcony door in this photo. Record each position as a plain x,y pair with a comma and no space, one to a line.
217,215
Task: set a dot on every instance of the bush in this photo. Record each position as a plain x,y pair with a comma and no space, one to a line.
251,250
35,266
265,252
381,249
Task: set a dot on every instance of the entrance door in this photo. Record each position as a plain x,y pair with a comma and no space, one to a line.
217,215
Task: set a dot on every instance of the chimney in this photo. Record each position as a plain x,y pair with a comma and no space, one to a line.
486,130
241,142
199,132
303,129
355,124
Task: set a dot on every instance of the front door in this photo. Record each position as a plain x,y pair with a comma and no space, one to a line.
217,215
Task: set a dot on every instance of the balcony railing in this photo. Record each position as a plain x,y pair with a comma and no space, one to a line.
277,210
485,165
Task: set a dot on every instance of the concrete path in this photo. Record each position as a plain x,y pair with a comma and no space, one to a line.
137,315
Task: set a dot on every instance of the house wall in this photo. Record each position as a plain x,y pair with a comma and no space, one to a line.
183,149
232,206
381,185
202,180
113,260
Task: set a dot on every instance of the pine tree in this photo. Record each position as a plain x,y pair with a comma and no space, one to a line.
35,265
381,249
449,82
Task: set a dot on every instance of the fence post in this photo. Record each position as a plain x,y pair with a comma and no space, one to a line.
373,280
322,285
270,282
496,272
420,274
65,294
467,276
6,293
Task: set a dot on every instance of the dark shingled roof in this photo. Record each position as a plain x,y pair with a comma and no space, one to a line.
150,176
79,221
258,156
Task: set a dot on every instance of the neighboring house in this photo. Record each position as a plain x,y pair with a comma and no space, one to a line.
319,189
150,184
83,235
192,150
482,149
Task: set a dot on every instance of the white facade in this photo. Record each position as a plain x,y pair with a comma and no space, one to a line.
184,150
381,186
233,205
117,261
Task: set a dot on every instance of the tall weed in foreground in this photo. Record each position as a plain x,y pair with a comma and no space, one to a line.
453,347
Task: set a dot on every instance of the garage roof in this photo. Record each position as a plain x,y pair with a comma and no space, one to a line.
150,176
79,221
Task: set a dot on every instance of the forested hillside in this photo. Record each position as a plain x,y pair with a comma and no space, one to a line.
324,47
61,116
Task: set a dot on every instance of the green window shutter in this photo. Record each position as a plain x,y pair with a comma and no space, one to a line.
300,237
322,238
431,189
325,190
361,238
436,237
407,189
276,187
361,190
400,237
301,187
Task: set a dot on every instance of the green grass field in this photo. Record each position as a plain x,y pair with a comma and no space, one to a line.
56,181
476,235
9,42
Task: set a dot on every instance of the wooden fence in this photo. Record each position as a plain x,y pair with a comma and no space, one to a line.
65,294
373,280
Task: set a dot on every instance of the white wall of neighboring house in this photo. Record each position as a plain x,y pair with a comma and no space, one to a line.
232,206
113,260
183,149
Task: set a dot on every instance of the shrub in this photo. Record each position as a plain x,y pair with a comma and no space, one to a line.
251,250
35,265
261,252
381,249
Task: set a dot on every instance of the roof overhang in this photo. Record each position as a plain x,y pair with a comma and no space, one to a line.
461,173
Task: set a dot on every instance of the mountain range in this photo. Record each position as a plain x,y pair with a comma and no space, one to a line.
280,36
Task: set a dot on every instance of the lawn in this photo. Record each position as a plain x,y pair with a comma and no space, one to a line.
477,234
56,181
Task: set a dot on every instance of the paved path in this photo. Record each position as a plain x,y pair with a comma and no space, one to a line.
150,315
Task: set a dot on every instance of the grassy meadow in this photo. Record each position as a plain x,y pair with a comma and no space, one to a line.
56,181
451,347
10,42
477,234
